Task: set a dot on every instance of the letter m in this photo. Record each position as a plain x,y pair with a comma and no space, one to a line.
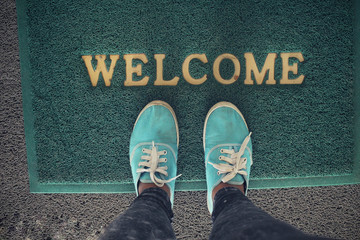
101,67
251,66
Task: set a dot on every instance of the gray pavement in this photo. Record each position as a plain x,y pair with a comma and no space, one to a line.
327,211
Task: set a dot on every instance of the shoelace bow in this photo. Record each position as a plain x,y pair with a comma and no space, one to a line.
152,160
235,163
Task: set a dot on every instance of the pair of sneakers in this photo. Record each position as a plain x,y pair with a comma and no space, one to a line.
155,140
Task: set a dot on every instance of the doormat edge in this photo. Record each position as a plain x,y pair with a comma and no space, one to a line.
36,187
199,185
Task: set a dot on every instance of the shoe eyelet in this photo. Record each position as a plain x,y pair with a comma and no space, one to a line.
165,160
164,152
222,150
218,173
143,150
220,157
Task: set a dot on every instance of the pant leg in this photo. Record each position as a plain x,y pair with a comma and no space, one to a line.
236,217
148,217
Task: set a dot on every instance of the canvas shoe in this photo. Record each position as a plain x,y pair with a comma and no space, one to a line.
227,147
154,146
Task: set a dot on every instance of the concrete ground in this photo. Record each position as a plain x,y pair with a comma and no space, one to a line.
327,211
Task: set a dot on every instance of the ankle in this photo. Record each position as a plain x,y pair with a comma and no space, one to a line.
223,185
143,186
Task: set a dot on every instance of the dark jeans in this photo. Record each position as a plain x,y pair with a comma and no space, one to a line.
234,217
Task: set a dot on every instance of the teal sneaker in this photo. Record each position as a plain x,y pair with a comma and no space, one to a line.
227,147
154,146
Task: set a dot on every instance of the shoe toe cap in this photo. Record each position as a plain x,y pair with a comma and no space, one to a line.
225,125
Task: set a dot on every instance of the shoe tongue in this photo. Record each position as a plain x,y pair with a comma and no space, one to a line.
145,177
237,180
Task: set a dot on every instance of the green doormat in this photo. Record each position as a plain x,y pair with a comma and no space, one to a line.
89,67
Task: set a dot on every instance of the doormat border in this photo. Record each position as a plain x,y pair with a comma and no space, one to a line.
117,187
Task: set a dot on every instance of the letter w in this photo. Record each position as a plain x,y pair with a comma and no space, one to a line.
101,67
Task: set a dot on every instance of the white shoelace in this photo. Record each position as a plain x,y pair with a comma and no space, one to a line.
234,163
152,159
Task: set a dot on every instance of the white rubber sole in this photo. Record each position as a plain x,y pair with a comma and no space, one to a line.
216,106
166,105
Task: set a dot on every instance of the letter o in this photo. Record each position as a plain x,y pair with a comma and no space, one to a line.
216,68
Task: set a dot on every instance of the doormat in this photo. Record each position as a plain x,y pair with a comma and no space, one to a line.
89,67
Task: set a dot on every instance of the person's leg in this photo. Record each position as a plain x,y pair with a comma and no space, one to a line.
153,156
228,158
148,217
236,217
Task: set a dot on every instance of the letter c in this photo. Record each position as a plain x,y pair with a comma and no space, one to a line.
185,69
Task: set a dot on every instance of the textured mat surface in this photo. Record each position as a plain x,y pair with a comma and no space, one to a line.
77,135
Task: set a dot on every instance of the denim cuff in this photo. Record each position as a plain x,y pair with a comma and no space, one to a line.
224,197
158,196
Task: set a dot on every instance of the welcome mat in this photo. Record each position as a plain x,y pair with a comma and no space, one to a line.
89,67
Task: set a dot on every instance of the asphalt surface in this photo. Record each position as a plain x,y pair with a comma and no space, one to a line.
332,211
